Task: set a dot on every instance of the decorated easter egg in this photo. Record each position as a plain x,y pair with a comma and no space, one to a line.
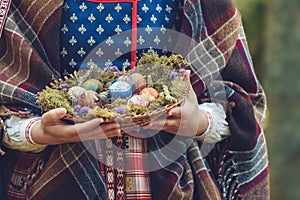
104,97
129,80
93,84
89,98
74,92
139,81
138,100
149,93
120,89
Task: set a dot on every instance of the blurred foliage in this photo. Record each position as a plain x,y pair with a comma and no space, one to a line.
273,31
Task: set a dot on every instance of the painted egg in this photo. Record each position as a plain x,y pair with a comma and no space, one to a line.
104,97
139,82
120,89
89,98
149,93
129,80
75,92
138,100
93,84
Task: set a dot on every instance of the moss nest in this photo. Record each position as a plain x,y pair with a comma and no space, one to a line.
163,73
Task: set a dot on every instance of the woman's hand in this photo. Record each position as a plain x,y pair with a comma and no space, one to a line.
52,130
186,120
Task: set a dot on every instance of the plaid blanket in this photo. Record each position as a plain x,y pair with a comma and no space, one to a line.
236,168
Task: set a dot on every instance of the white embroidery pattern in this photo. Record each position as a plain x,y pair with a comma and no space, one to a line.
151,13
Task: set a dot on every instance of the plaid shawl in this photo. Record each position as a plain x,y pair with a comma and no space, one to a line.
236,168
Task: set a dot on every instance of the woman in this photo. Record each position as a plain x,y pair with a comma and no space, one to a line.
39,37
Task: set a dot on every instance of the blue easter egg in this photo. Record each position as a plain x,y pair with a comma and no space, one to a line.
128,79
120,89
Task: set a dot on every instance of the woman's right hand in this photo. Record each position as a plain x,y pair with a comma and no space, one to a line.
52,130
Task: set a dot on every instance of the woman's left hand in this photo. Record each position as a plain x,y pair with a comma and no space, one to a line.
186,120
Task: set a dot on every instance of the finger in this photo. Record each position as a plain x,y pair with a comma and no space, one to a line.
191,94
170,126
71,132
95,127
87,126
98,133
109,127
54,116
94,135
156,124
174,112
187,76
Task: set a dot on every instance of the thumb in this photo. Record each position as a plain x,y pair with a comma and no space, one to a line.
187,76
191,96
54,115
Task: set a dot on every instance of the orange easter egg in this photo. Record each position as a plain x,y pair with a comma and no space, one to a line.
149,93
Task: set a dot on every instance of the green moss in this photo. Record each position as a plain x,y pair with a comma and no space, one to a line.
158,87
53,98
178,88
177,62
149,58
157,103
70,82
118,102
103,113
160,67
137,110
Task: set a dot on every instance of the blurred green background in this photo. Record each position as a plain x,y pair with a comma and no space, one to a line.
273,31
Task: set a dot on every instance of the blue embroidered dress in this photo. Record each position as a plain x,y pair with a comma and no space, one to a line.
99,31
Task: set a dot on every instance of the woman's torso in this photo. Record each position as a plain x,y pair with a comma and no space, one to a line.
100,32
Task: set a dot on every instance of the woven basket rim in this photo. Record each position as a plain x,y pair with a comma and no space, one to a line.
127,120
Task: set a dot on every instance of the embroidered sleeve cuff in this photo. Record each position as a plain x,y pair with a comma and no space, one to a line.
217,129
19,134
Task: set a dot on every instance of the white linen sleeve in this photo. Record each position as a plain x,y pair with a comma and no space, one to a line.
217,129
18,135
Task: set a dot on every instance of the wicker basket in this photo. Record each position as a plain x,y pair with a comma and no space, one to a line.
52,97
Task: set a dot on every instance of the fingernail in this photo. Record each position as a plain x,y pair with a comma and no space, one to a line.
100,120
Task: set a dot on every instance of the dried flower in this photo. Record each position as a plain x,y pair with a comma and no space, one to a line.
182,71
76,108
173,75
63,86
84,110
120,110
112,69
115,68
